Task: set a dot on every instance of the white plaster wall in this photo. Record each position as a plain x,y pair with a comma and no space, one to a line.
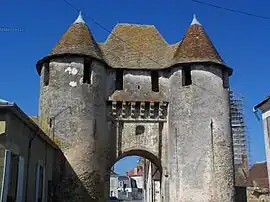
266,127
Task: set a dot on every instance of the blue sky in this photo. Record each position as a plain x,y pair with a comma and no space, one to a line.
242,41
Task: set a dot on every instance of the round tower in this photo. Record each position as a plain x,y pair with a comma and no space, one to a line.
201,155
72,104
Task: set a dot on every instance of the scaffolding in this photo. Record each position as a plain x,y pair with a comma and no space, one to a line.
240,138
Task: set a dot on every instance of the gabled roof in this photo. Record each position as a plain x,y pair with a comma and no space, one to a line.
258,175
14,109
135,46
4,102
258,106
196,46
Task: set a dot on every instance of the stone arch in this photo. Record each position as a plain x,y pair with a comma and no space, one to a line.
143,153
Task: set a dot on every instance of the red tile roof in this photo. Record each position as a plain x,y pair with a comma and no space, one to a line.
258,175
138,171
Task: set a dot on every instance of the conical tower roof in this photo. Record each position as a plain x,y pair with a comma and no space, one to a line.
196,46
78,39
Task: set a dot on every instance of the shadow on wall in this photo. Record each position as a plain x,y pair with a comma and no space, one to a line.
68,185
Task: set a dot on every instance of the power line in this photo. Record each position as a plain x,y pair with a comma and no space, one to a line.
107,30
232,10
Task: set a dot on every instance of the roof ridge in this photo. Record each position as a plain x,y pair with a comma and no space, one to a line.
134,24
259,162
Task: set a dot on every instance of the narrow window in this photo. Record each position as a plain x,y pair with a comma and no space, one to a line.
154,80
13,178
186,76
119,79
46,73
87,72
39,183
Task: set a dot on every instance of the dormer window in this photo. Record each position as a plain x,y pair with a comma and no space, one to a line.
46,73
186,76
119,79
87,72
154,81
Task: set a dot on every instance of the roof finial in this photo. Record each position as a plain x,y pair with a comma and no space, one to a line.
195,21
79,19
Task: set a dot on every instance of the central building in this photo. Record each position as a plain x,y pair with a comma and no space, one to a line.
135,94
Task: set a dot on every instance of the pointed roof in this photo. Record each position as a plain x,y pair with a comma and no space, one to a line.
196,46
78,39
79,19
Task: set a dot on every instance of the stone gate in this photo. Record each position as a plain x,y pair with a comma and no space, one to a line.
166,102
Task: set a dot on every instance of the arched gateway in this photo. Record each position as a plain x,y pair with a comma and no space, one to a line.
139,95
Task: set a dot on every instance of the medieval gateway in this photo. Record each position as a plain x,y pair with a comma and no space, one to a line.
135,94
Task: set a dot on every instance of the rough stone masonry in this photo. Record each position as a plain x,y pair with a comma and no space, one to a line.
135,94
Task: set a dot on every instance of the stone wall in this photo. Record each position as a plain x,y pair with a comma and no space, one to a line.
200,152
77,111
184,130
256,194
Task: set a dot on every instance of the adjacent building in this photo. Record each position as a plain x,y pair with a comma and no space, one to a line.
137,174
28,166
114,184
153,182
124,187
258,190
264,107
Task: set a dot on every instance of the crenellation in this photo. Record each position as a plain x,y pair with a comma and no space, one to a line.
114,108
124,109
142,110
133,110
138,111
152,110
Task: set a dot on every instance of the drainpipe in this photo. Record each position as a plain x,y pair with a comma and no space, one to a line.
28,164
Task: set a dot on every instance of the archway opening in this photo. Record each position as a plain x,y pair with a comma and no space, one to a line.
136,177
